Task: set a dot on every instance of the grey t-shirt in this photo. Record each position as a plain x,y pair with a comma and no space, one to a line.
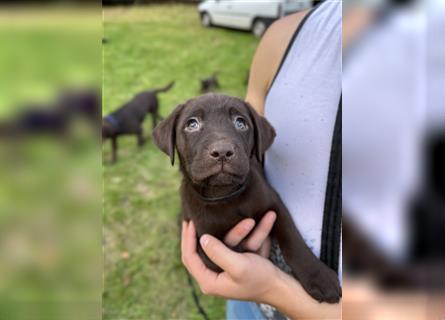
302,105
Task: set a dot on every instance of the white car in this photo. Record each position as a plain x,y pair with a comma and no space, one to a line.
254,15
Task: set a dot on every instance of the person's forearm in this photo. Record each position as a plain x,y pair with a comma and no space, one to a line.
290,298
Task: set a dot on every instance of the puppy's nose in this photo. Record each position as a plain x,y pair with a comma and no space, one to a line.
222,151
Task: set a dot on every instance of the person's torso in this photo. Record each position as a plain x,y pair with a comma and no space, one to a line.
302,106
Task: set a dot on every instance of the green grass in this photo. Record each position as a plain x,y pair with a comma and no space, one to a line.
50,221
149,47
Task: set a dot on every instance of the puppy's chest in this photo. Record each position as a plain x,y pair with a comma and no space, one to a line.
218,219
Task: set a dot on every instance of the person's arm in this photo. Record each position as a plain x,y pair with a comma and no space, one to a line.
291,299
250,276
268,56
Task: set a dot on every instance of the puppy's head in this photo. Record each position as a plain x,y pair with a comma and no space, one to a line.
215,135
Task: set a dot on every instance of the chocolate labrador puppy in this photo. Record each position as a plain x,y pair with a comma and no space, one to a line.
221,141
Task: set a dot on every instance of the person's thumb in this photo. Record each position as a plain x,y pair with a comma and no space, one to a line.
228,260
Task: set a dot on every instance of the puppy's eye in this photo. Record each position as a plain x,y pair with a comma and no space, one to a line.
192,125
240,123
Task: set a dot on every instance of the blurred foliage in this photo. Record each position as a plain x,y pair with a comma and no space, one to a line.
44,50
138,2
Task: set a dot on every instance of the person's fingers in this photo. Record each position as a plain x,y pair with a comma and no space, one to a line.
261,232
185,242
265,248
228,260
205,277
189,248
183,236
239,232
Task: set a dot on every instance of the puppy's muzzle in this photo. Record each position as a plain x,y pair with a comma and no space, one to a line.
221,151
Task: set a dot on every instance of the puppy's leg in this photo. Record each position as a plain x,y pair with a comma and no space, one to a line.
140,137
317,279
114,149
155,117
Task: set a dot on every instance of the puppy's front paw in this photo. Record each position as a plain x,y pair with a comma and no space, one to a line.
322,284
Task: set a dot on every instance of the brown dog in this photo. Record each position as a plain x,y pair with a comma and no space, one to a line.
221,141
210,84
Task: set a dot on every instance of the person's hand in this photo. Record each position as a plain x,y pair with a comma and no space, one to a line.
249,276
246,276
259,241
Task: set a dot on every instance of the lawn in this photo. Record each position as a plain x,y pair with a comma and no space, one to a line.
50,222
147,48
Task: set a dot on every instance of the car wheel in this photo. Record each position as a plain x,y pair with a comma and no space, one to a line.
206,21
259,27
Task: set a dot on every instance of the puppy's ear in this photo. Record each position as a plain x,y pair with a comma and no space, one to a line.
164,134
264,133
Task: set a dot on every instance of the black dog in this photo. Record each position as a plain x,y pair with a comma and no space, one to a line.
221,141
54,119
210,84
128,119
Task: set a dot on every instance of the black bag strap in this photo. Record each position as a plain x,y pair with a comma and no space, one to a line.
332,214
